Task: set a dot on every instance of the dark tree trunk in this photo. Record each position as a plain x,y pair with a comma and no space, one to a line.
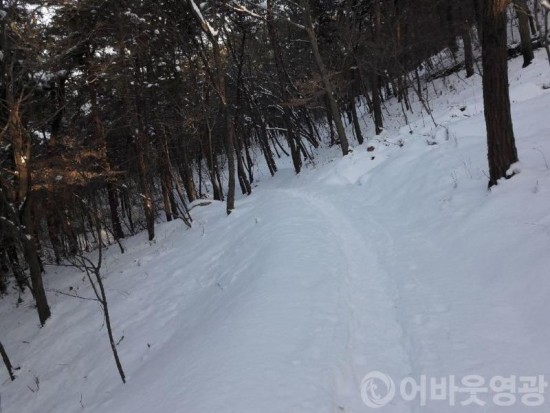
355,120
219,83
327,85
142,142
261,132
186,174
230,150
7,362
450,28
291,136
23,194
128,210
3,270
16,269
113,206
212,166
166,199
54,224
522,11
330,123
35,269
500,134
478,10
468,52
375,76
377,104
244,183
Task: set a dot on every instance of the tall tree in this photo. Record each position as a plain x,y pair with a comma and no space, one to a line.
498,118
523,13
218,80
20,44
327,84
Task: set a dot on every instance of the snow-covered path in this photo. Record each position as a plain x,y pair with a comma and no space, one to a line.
299,317
373,335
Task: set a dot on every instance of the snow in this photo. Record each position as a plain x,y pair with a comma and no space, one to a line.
134,17
397,260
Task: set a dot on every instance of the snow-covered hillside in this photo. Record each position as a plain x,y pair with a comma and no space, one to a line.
395,259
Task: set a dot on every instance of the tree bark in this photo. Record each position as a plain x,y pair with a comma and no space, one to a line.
327,85
468,52
377,103
522,12
230,150
22,156
3,268
355,120
219,84
292,138
7,362
186,174
502,151
141,144
375,76
115,217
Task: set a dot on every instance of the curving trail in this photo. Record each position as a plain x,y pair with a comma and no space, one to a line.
373,334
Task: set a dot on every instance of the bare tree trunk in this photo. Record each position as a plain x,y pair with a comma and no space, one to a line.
186,174
218,81
375,76
355,120
500,134
96,282
7,362
142,143
450,28
35,269
3,268
16,269
522,11
376,103
327,85
113,206
212,166
22,156
468,52
22,231
543,36
477,5
53,223
166,198
291,136
230,150
330,123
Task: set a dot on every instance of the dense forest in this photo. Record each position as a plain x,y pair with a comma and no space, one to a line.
116,115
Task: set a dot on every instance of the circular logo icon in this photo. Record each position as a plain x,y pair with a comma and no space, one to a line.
377,389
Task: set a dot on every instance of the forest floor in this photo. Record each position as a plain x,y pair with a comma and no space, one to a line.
395,259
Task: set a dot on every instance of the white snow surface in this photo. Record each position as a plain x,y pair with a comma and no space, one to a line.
397,259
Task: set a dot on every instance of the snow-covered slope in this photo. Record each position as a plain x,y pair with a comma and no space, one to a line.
396,259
